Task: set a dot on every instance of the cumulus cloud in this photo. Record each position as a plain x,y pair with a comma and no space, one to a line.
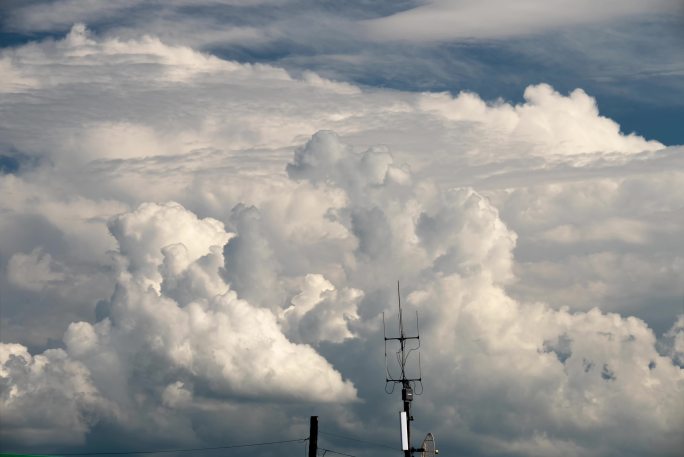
572,371
216,335
320,312
566,125
142,234
209,338
34,271
300,202
47,399
563,366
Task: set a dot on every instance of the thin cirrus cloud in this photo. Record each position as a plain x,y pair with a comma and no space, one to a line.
442,20
199,245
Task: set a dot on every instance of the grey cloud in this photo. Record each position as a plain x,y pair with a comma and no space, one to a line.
443,20
672,343
251,268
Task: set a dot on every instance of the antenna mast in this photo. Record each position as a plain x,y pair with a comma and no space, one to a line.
408,385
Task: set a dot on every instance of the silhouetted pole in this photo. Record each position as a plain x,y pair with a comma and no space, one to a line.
313,436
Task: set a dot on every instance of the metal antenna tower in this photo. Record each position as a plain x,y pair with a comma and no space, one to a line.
408,385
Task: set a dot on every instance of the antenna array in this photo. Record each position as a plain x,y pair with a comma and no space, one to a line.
408,385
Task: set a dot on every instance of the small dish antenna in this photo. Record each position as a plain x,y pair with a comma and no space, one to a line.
428,446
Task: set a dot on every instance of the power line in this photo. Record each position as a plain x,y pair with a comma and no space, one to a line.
168,451
325,451
358,440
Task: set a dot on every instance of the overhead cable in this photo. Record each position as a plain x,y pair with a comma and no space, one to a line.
169,451
358,440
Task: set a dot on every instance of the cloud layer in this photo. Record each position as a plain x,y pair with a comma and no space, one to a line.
443,20
191,241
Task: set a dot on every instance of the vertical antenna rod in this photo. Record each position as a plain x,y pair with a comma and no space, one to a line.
407,384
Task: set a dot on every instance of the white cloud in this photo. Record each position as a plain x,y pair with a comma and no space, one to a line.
320,312
12,79
142,234
490,347
447,19
34,271
259,105
548,120
258,289
234,346
570,372
47,399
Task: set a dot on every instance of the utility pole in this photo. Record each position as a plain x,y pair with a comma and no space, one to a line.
407,384
313,436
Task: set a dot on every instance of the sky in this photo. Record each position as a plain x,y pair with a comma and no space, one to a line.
206,207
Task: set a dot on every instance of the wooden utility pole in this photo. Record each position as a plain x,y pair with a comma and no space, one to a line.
313,436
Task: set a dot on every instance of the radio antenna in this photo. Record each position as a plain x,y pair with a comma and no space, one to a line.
408,385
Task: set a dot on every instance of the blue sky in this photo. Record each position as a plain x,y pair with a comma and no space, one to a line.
206,206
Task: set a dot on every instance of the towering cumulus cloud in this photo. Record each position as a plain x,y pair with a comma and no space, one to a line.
171,320
197,252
